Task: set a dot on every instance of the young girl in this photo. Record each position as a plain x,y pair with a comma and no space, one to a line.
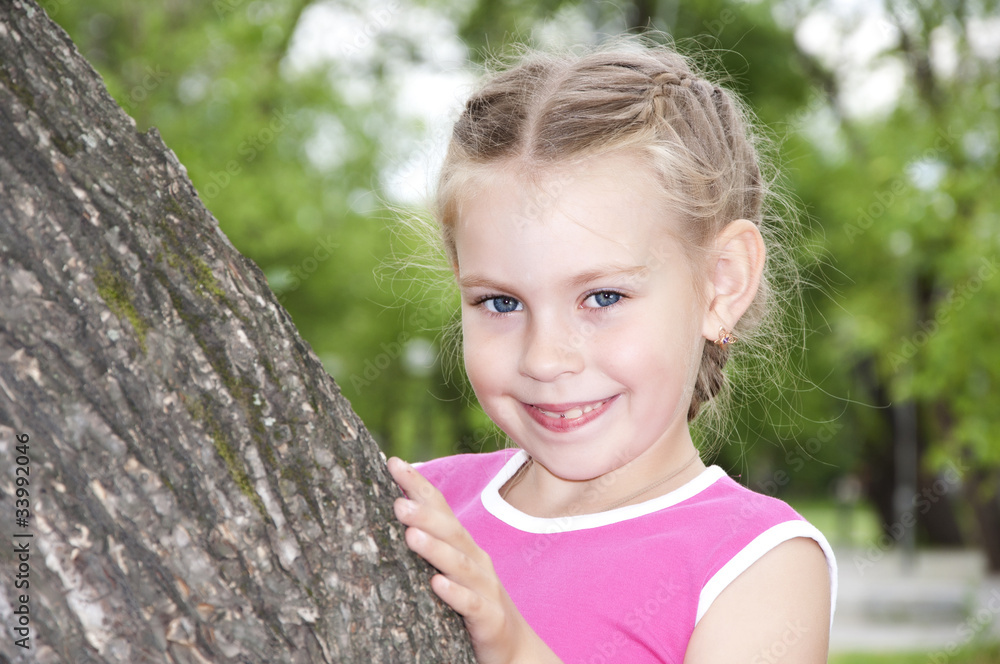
602,217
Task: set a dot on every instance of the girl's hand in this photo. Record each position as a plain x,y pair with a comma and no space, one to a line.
467,581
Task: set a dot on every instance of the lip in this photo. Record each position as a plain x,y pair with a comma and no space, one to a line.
561,425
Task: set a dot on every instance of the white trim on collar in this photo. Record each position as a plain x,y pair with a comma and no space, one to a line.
515,518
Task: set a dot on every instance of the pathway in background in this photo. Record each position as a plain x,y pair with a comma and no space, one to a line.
941,601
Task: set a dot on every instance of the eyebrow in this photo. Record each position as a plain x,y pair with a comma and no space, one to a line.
596,274
607,272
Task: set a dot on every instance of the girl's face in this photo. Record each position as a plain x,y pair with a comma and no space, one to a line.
581,320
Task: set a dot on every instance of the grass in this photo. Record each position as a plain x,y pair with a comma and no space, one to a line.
983,654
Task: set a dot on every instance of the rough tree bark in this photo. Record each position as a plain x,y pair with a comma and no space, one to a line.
197,488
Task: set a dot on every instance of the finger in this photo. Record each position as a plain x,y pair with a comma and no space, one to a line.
441,555
450,561
438,520
413,484
405,510
467,602
441,523
396,469
432,515
418,490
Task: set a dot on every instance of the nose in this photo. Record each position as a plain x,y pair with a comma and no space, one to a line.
550,349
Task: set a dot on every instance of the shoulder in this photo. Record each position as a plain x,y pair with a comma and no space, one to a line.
773,586
749,526
745,509
779,607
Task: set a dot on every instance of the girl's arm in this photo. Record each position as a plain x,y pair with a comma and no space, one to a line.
777,611
467,581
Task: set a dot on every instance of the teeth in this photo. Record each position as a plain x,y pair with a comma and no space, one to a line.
574,413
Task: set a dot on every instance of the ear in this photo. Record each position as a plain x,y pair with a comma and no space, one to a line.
735,268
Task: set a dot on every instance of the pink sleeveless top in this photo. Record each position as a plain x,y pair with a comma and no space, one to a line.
625,585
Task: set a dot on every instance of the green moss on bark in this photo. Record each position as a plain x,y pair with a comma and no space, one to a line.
117,294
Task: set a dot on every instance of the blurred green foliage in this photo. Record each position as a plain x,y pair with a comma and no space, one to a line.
900,231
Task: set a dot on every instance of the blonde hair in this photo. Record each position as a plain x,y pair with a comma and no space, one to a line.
549,109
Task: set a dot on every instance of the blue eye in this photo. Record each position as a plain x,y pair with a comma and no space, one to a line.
602,299
502,304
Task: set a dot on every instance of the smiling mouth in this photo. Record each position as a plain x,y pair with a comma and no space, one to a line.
571,413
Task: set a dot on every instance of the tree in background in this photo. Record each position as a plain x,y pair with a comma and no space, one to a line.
909,221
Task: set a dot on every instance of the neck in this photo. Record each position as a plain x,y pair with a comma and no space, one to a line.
536,491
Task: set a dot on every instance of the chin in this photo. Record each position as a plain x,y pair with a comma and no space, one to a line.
569,467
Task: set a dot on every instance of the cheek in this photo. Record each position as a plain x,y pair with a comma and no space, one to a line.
483,358
476,371
654,348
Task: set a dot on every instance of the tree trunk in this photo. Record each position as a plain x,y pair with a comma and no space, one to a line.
985,499
180,480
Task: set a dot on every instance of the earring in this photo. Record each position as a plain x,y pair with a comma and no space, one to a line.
725,338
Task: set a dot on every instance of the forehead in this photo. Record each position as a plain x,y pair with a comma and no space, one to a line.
610,205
